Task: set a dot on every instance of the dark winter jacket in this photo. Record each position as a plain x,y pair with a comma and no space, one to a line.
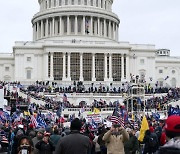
74,143
146,141
55,139
131,146
45,148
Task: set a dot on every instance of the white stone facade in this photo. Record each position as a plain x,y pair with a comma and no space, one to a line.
77,40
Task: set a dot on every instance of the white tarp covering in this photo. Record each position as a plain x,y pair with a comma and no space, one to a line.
174,104
1,97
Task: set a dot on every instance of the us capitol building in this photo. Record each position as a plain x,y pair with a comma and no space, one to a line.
77,40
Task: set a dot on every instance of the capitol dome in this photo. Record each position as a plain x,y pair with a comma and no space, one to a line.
73,19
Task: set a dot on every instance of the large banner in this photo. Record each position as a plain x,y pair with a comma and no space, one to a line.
1,97
94,117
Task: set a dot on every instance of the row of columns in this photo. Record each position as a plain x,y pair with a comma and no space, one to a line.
107,77
46,4
49,27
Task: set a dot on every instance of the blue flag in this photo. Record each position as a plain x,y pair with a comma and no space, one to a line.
174,111
156,116
41,122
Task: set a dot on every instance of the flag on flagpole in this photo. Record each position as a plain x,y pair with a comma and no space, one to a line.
27,113
117,119
41,123
34,121
144,127
133,117
64,97
96,110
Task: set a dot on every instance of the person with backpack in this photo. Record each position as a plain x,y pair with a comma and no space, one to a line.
131,146
151,143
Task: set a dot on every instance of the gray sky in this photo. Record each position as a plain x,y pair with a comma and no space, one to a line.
142,22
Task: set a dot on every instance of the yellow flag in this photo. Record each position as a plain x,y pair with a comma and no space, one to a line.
159,105
96,111
133,116
26,113
144,127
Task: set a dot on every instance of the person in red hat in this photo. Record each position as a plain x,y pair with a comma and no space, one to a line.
172,129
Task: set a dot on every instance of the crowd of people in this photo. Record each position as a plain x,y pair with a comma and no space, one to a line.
157,103
34,134
161,138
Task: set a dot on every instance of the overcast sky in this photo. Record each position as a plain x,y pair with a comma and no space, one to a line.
142,22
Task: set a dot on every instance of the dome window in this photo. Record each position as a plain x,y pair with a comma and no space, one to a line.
173,71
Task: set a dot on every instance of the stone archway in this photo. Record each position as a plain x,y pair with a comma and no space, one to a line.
7,78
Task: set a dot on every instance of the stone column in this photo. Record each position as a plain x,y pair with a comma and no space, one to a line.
91,26
37,34
42,30
47,4
105,67
93,67
83,27
69,67
46,27
60,25
114,34
53,26
64,67
122,67
117,32
76,26
105,30
34,32
98,26
68,24
110,67
52,68
45,67
81,67
109,29
127,68
56,27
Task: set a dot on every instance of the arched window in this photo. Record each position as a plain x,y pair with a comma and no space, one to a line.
28,74
96,3
72,2
66,2
46,5
85,2
49,3
54,3
7,78
173,82
60,2
91,2
101,3
79,2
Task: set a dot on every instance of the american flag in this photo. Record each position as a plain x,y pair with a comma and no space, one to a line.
34,121
64,97
117,119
